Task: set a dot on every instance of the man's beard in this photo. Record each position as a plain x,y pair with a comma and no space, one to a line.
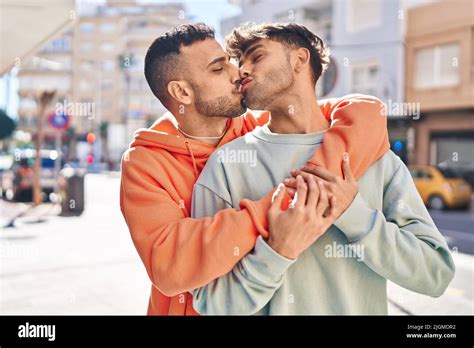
219,107
275,83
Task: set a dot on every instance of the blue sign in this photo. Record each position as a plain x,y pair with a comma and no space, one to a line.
59,121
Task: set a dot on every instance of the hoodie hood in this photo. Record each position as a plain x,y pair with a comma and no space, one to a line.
164,134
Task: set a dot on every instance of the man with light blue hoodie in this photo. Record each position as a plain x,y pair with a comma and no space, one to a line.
383,231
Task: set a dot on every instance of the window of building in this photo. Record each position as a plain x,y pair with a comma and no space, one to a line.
86,46
138,84
62,44
106,84
86,27
363,14
107,47
364,77
28,103
106,104
437,66
108,65
87,65
84,85
138,24
107,27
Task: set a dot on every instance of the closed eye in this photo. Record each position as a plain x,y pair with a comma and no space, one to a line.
257,58
218,70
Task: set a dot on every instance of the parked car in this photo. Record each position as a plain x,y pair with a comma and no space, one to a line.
441,188
463,170
17,182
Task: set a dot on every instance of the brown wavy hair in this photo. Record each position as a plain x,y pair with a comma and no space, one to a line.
291,35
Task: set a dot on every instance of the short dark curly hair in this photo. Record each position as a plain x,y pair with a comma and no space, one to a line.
291,35
162,63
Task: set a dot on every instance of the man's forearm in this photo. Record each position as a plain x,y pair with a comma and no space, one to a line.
401,243
247,288
359,127
182,253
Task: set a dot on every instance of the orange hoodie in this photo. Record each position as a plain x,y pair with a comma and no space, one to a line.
159,171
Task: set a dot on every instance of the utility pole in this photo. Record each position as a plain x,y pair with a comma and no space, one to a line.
44,100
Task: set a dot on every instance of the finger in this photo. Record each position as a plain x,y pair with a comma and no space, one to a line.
319,172
277,197
301,192
307,175
313,193
291,192
331,211
323,202
295,172
346,168
290,183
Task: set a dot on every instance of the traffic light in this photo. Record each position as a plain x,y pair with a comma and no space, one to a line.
90,138
398,146
90,159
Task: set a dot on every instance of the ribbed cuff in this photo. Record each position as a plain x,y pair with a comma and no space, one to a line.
265,263
357,220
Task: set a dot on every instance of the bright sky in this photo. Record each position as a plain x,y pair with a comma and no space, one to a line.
210,12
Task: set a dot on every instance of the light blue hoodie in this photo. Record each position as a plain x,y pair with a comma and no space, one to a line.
386,233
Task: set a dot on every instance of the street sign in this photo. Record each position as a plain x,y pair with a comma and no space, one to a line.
59,121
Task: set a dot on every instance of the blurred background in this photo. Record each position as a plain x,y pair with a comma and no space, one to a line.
72,93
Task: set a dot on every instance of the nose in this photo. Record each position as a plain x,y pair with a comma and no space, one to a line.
244,71
234,74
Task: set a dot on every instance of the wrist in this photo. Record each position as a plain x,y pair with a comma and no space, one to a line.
279,248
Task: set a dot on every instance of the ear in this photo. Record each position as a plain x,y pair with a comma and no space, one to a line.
180,91
302,58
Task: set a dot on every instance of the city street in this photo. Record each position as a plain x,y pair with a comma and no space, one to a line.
88,265
457,227
74,265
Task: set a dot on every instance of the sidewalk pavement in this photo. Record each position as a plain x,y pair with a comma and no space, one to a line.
25,212
458,299
88,265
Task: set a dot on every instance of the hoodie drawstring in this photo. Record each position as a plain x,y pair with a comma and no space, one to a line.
188,146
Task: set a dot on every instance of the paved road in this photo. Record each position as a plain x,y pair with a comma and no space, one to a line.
457,227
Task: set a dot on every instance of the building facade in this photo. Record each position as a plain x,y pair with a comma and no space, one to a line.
96,67
367,43
440,77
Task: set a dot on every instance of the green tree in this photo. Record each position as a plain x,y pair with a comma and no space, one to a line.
7,125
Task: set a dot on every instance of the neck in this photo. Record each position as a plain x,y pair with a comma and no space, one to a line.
297,113
197,125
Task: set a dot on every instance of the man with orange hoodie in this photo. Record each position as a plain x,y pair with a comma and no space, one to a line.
192,76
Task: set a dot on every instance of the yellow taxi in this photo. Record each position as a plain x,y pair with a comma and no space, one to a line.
441,188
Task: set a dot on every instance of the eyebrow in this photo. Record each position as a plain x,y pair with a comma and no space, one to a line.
217,60
250,50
